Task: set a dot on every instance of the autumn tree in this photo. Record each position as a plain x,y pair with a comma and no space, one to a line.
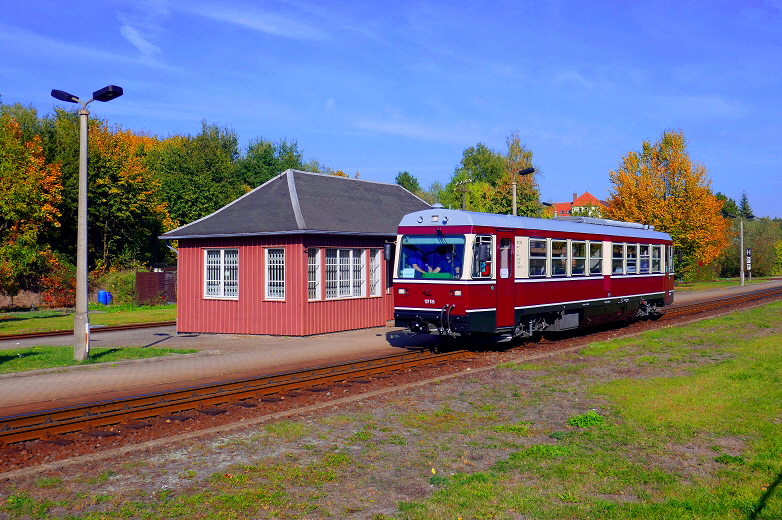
126,212
661,186
30,192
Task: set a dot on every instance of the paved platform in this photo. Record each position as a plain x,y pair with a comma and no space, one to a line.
219,357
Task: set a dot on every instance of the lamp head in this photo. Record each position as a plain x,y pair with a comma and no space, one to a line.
64,96
525,171
107,93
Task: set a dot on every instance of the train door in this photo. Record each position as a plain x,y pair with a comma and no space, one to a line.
505,287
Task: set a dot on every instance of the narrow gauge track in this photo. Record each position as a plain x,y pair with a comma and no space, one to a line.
130,412
89,417
726,302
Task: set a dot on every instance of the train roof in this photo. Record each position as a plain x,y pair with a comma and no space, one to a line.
438,216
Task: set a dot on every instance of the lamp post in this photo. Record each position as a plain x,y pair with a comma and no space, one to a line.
525,171
81,321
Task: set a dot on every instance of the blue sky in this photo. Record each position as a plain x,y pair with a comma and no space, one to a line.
381,87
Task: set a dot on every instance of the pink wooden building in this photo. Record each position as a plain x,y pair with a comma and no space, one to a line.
301,254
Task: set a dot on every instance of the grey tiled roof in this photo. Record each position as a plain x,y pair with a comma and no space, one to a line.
302,202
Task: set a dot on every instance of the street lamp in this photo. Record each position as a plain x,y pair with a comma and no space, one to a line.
525,171
81,322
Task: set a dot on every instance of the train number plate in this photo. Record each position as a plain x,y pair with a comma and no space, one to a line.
428,301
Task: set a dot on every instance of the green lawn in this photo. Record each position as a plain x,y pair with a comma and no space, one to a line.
48,320
36,358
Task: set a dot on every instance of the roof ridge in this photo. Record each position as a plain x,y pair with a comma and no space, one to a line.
295,199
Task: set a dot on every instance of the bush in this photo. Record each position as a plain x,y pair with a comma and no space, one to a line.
121,285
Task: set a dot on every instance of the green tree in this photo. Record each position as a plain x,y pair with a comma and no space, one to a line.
482,164
434,193
196,173
729,207
30,192
517,158
762,236
660,185
408,181
744,209
264,160
483,181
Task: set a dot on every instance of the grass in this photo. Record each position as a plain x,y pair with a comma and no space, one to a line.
48,320
37,358
695,434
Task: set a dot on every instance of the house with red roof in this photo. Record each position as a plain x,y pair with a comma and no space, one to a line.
585,205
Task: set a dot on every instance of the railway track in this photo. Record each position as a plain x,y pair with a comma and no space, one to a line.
132,413
93,330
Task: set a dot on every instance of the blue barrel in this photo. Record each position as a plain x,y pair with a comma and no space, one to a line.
104,297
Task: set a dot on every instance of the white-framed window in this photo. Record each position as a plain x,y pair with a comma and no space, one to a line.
375,286
221,273
578,253
482,268
617,258
657,259
345,273
559,258
313,274
595,257
275,273
538,256
631,259
644,258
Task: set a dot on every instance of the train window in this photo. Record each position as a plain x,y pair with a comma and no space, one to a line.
644,258
631,265
617,258
558,258
431,256
577,258
656,258
505,253
669,259
482,257
595,258
537,257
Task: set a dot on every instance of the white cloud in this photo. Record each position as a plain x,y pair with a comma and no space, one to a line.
142,44
414,130
709,106
258,20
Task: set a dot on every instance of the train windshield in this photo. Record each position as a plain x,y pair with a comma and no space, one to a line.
431,256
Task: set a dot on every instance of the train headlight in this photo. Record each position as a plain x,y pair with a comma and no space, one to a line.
457,292
402,291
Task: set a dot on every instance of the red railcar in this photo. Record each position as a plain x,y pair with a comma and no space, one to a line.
463,272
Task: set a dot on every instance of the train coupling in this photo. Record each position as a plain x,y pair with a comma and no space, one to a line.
419,327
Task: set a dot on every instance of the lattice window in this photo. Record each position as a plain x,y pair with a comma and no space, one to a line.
313,273
275,273
221,273
345,277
